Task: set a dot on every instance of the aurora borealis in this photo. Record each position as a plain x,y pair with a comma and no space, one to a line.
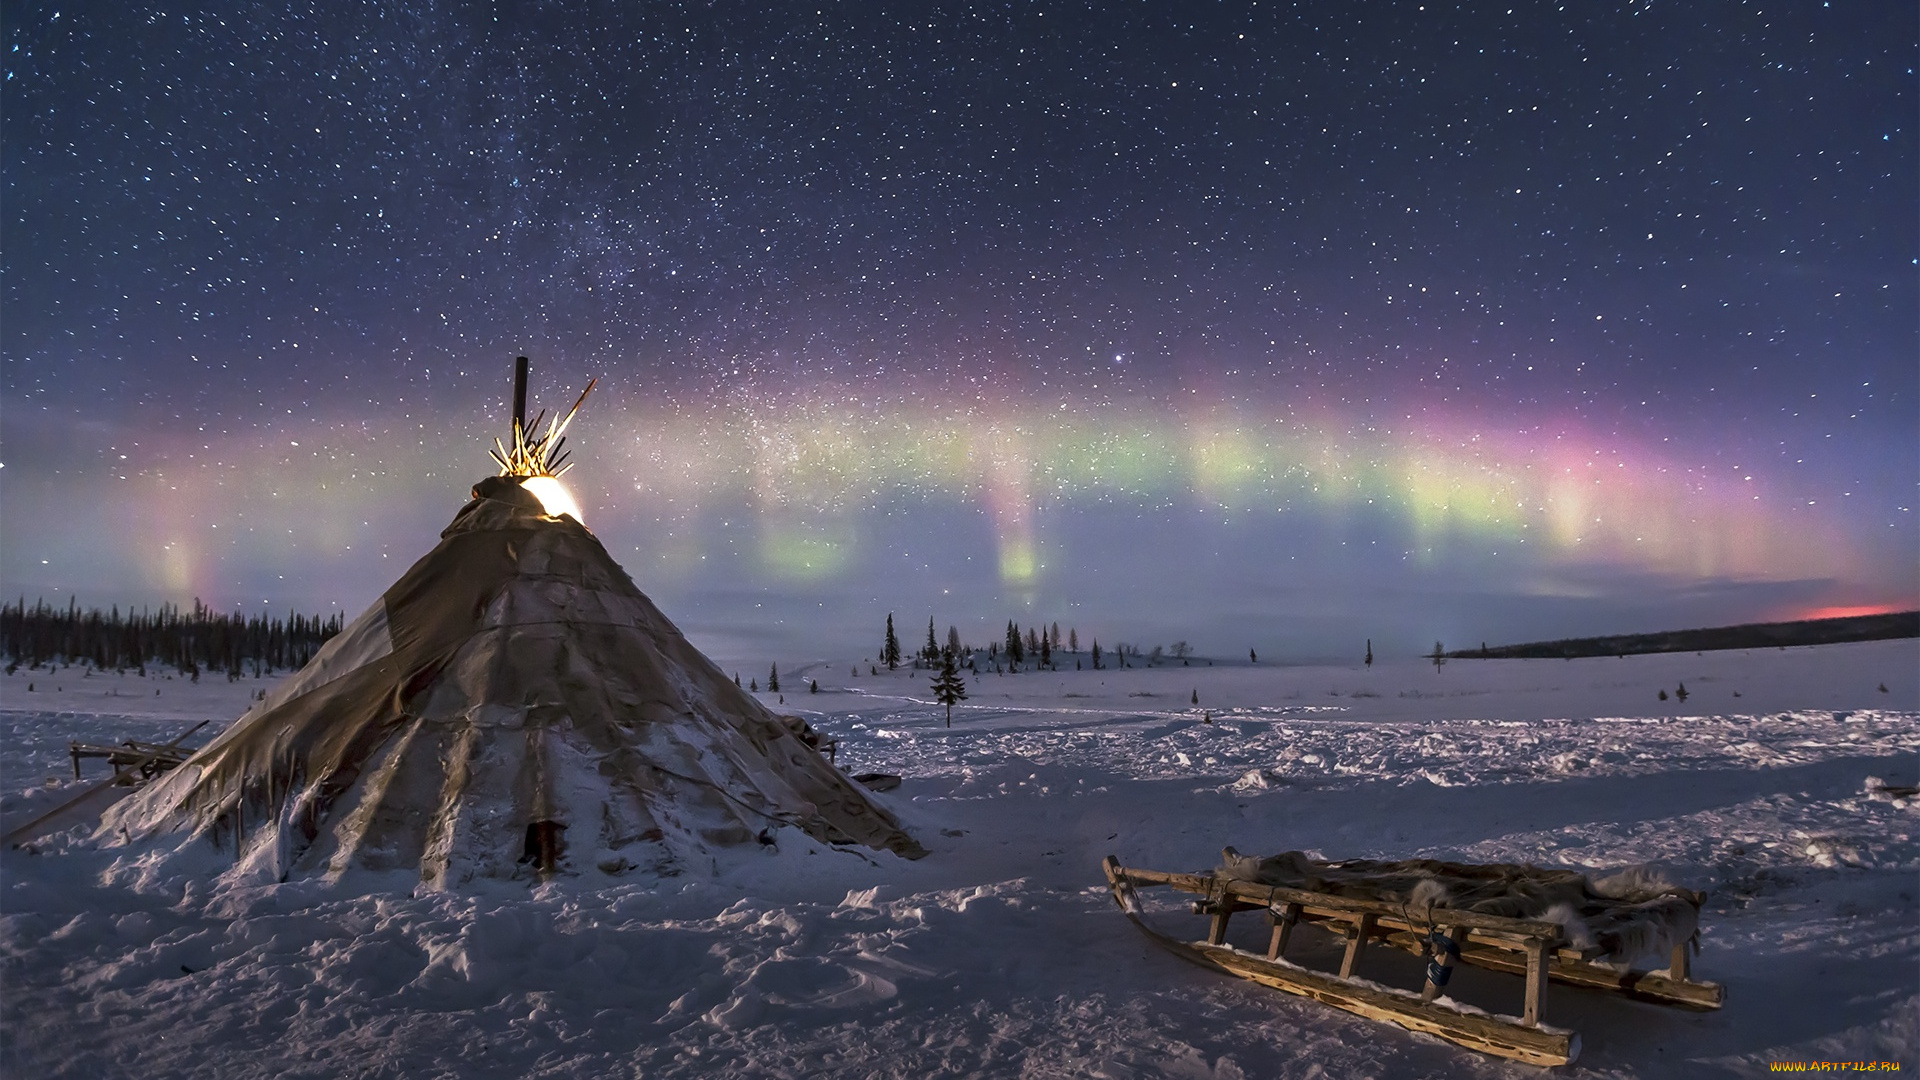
1275,326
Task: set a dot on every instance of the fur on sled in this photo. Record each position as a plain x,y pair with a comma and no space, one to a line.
1631,913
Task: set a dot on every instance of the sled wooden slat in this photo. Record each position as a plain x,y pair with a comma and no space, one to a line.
1257,895
1536,982
1654,986
1356,942
1487,1034
1221,908
1284,921
1407,936
1534,949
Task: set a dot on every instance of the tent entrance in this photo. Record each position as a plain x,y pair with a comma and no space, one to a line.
544,845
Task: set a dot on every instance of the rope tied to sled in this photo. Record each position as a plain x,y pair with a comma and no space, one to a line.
1437,947
1436,944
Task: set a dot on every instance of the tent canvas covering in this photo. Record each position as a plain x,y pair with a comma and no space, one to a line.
513,704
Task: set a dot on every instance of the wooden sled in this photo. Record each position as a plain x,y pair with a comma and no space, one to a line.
134,762
140,763
1535,948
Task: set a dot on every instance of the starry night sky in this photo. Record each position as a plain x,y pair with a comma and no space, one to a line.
1251,324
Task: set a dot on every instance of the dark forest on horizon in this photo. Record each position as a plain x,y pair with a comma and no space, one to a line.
1836,631
189,642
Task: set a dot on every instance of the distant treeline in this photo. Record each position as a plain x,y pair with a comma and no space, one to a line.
1899,624
205,640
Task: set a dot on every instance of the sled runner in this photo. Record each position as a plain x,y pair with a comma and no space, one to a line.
1590,941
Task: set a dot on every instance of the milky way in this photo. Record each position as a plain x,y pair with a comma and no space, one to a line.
1258,324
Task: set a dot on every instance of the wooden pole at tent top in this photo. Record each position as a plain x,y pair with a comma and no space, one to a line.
519,394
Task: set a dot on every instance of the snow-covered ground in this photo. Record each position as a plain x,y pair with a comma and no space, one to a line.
1001,954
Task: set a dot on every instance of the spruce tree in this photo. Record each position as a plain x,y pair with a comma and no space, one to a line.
1073,640
890,652
773,679
931,653
949,688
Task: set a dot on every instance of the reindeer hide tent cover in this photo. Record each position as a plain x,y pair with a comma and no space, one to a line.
1630,913
513,702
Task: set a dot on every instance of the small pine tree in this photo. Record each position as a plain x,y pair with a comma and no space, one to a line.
890,651
1682,692
1015,651
773,679
1439,655
736,678
1073,640
931,651
1252,657
1663,695
1046,652
953,641
1196,695
813,686
949,688
1369,652
1096,654
753,685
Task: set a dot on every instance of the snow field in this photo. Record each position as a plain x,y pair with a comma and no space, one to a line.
1001,954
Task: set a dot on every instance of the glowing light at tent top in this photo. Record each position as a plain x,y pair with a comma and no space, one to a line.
554,496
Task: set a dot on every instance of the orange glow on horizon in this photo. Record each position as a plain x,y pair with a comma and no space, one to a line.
1848,612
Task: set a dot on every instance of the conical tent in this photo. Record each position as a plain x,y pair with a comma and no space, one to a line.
512,705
